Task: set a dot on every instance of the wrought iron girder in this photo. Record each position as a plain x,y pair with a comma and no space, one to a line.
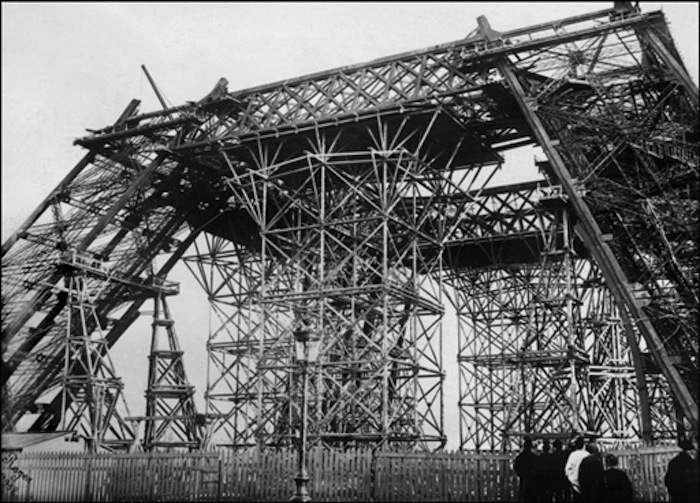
440,76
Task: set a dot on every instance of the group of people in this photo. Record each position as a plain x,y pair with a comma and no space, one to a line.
575,473
579,473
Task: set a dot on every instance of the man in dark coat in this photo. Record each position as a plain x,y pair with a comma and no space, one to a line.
682,475
539,487
590,475
525,466
617,485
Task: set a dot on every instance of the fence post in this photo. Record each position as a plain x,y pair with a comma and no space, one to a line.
374,476
219,482
87,497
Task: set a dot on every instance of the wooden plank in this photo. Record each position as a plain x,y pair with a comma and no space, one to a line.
125,478
130,479
456,480
51,478
264,484
31,467
243,484
139,476
345,484
355,483
121,479
378,479
102,482
62,476
331,487
249,474
46,476
71,480
322,468
161,484
38,492
226,472
75,492
443,475
62,473
449,475
466,478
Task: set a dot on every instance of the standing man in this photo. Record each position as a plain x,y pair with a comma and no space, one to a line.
540,487
572,465
682,475
617,485
524,466
590,475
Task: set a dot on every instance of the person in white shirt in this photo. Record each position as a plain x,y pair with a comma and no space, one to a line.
572,465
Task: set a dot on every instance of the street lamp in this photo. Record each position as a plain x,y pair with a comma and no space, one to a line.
306,351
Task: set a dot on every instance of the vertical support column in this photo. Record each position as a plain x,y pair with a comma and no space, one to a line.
264,306
571,342
384,203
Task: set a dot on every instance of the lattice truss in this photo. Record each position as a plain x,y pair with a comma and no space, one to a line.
542,348
333,198
171,419
91,389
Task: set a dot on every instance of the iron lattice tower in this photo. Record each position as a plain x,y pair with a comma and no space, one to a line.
171,419
91,390
359,200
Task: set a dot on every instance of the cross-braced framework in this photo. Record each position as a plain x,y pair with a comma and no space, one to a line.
551,360
171,420
357,200
91,396
230,273
532,391
542,347
113,213
350,235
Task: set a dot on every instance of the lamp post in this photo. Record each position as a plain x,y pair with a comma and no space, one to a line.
307,352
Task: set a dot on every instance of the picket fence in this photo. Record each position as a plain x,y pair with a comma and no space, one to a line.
268,475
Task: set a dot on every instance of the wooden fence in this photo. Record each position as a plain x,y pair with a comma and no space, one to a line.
268,475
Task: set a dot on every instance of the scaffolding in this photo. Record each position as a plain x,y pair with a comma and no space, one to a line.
361,200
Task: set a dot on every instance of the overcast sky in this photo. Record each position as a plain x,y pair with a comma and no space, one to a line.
71,66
